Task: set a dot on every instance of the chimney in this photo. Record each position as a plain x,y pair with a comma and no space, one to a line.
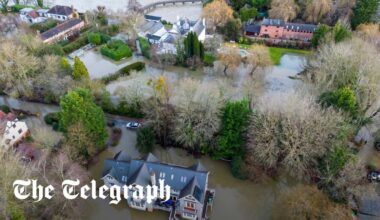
153,178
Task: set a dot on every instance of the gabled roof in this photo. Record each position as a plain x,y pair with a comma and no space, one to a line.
301,27
33,14
61,10
153,37
60,28
252,28
198,167
185,180
122,156
192,188
151,158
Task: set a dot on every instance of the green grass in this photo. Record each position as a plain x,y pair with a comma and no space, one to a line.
276,53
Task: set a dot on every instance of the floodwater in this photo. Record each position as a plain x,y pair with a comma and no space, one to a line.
171,13
99,66
278,79
235,199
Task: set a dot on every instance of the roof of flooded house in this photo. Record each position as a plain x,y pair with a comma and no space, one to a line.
151,27
301,27
198,27
152,17
253,28
187,180
273,22
7,117
290,26
60,28
153,37
61,10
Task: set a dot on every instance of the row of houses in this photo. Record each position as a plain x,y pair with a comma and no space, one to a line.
58,12
70,24
166,38
190,195
279,29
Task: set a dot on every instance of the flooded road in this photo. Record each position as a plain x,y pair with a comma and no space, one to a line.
235,199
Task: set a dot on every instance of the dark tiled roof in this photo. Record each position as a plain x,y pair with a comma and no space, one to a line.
152,17
252,28
188,181
60,28
61,10
273,22
153,37
300,27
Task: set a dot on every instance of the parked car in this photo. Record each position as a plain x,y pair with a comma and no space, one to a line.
377,144
374,176
133,125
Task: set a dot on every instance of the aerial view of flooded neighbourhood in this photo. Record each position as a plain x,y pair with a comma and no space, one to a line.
189,109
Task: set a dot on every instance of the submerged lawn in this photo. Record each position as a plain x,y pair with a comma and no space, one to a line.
276,53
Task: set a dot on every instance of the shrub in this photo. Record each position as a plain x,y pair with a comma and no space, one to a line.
5,109
115,137
75,45
51,118
145,139
95,38
54,49
145,47
116,50
343,98
209,59
17,8
138,66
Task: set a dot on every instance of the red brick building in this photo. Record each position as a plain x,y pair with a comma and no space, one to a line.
279,29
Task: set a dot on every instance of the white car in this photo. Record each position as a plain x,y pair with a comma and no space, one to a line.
133,125
374,176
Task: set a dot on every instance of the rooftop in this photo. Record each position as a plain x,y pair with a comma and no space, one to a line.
60,28
186,180
61,10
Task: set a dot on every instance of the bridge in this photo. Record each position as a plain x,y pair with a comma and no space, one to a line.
147,8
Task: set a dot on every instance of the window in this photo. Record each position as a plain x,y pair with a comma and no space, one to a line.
190,205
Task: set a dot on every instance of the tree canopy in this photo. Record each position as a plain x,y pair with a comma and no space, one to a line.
78,106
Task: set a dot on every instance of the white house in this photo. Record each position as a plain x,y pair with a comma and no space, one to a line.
30,15
61,13
189,192
12,130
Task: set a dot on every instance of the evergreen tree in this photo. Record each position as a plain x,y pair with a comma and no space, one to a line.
78,106
364,11
80,70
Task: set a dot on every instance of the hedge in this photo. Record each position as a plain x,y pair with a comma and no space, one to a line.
125,71
98,38
145,47
116,50
75,45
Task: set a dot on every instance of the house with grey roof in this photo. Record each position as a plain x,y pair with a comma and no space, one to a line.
279,29
190,195
60,12
62,31
184,25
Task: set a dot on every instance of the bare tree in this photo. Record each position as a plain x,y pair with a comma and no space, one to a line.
229,56
291,131
316,10
307,202
197,110
354,63
259,57
283,9
217,13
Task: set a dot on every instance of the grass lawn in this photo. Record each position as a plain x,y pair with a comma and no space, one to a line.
276,53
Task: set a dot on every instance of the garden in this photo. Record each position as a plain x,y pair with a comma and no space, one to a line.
116,50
